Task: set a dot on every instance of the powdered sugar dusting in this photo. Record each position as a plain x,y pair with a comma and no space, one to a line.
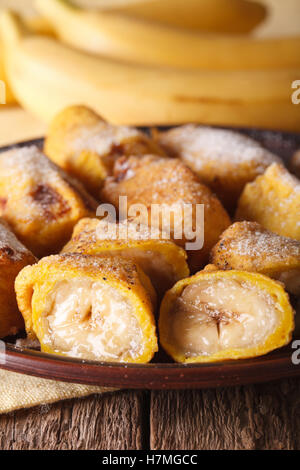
259,243
199,144
28,162
250,240
102,137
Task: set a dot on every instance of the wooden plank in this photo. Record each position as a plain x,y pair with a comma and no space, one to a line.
265,416
108,422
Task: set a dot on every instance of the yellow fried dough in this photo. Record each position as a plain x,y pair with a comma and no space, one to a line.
162,260
151,181
89,307
273,200
85,145
222,315
223,159
295,164
39,200
13,257
247,246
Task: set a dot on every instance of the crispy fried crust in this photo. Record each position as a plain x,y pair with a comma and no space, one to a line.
224,160
85,145
123,275
39,200
152,180
13,257
273,200
247,246
280,337
169,265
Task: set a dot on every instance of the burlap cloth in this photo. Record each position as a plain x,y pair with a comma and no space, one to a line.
22,391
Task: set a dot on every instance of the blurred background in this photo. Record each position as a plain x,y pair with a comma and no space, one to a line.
148,62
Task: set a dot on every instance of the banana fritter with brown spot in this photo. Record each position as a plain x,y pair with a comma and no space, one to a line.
40,201
13,257
85,145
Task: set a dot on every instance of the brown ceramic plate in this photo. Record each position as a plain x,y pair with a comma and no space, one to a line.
161,374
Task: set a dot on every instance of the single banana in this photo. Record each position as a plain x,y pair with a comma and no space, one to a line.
35,24
142,42
223,16
9,97
47,76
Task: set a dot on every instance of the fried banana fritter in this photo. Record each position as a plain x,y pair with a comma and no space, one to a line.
13,258
89,307
40,201
221,315
161,259
247,246
150,181
224,160
273,200
86,146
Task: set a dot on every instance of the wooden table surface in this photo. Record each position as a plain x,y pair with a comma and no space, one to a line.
265,416
253,417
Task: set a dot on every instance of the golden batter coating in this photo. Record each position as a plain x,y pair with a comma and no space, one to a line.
150,181
13,257
89,307
222,315
273,200
85,145
247,246
295,164
161,259
39,200
224,160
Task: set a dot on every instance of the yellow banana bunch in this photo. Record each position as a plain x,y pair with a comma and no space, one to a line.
223,16
47,76
126,38
9,97
35,24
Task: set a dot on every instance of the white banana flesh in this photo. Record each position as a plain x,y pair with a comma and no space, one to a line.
47,76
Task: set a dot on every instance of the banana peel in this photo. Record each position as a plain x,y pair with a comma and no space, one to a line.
222,16
140,42
47,76
36,25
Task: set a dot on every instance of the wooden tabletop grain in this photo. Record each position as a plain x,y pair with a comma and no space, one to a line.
265,416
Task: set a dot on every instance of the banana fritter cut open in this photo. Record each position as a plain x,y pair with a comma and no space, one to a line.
273,200
13,257
152,182
40,201
162,260
223,159
89,307
222,315
85,145
247,246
